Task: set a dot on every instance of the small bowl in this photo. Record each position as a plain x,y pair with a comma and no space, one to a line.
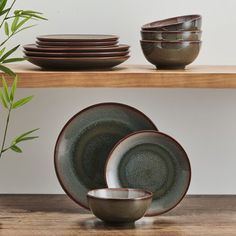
170,54
119,205
171,35
179,23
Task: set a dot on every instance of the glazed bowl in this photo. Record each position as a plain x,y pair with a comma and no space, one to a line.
170,54
119,205
171,35
186,22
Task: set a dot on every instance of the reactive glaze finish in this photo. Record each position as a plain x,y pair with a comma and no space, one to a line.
77,63
171,35
186,22
152,161
36,48
119,205
77,38
85,141
170,55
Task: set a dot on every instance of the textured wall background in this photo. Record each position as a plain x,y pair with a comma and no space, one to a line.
202,120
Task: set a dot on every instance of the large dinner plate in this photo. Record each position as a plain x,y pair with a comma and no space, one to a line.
85,141
153,161
77,63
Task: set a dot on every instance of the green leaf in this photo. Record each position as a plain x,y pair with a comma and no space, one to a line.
13,88
14,60
4,103
6,28
5,11
14,24
16,149
21,23
7,70
21,102
27,138
17,139
33,15
2,4
2,51
27,27
5,89
31,11
6,55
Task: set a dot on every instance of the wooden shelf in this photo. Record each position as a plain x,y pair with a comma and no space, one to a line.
129,76
27,215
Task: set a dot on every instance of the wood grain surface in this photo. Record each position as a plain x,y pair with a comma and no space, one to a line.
140,76
29,215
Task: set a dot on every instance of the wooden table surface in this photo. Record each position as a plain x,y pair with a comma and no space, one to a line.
25,215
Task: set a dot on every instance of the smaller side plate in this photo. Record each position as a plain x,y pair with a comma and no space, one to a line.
152,161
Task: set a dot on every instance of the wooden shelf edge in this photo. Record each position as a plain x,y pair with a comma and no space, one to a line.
128,76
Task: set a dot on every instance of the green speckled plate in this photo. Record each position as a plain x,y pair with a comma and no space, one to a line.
153,161
85,141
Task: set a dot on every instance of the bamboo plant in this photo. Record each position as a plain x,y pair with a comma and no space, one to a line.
13,22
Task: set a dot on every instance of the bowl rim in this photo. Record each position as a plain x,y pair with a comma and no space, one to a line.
174,41
172,31
148,194
192,17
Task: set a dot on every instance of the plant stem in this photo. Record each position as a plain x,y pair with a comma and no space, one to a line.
6,39
5,132
7,13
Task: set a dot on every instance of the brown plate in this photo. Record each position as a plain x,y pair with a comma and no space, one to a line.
75,63
77,38
75,44
36,48
78,54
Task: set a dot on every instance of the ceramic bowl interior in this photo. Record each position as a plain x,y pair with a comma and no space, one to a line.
170,54
186,22
119,194
153,161
119,205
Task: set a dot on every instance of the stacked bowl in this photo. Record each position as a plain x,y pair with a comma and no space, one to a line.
77,51
172,43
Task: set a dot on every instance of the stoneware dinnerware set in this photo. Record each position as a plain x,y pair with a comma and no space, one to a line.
77,51
111,159
172,43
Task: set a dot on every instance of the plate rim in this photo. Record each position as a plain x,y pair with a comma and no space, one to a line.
65,126
107,37
78,58
175,141
84,48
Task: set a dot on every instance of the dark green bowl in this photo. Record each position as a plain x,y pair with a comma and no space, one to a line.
171,35
186,22
170,54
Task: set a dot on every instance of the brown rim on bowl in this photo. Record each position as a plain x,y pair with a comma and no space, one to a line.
188,161
147,195
164,22
171,32
65,126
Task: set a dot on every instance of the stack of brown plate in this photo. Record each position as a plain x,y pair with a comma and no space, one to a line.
76,51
